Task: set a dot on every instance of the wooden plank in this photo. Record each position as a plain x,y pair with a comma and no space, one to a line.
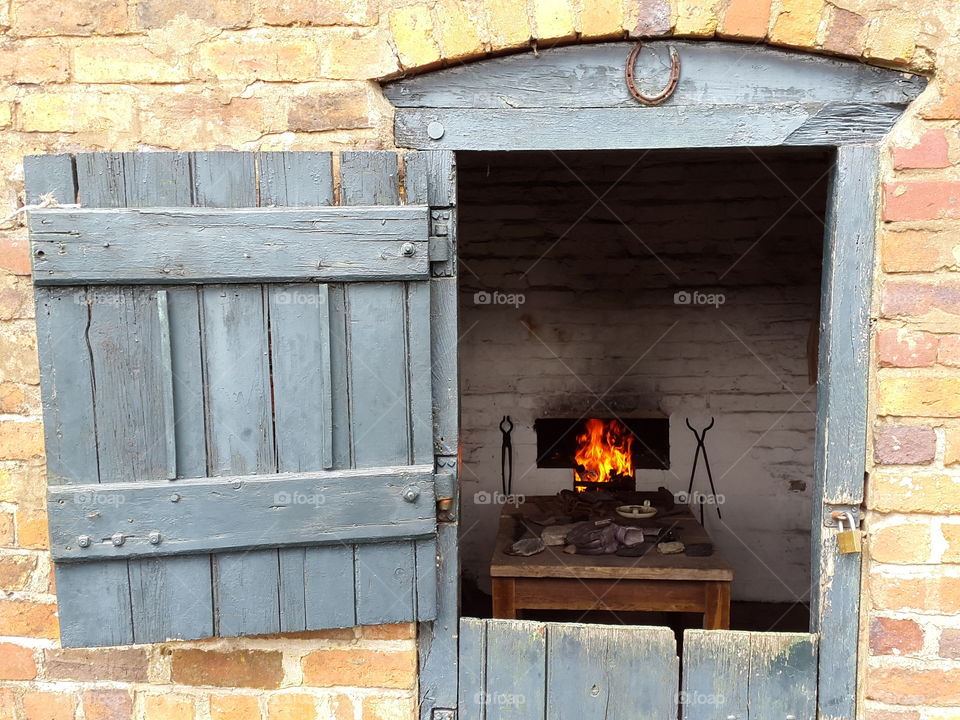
595,672
472,669
247,593
783,676
425,559
516,670
289,179
437,640
196,245
188,388
622,594
171,598
223,179
318,507
419,380
369,177
100,182
716,675
430,178
93,604
385,582
156,179
329,587
51,175
166,365
444,341
841,418
712,73
641,128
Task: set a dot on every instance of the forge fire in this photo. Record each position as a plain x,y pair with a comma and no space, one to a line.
603,455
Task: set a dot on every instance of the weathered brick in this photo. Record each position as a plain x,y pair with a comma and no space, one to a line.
919,251
891,636
797,23
20,440
245,58
34,61
926,492
360,668
950,643
18,358
215,13
904,445
16,662
920,396
311,12
649,17
112,705
32,529
201,119
456,30
951,453
948,351
904,544
75,111
170,706
234,707
893,37
878,714
292,706
398,631
844,31
356,54
7,533
91,17
552,20
602,19
387,708
329,111
947,107
745,19
8,703
912,687
916,299
902,348
16,298
921,200
696,18
413,36
18,399
508,23
931,151
929,593
96,664
237,668
15,571
15,252
53,705
116,61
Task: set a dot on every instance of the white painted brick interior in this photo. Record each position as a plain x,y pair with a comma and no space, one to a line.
598,332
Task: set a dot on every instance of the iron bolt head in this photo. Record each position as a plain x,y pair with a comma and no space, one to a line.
435,130
175,498
84,541
154,537
411,493
408,249
117,539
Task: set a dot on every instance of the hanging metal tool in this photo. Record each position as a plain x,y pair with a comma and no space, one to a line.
630,71
701,448
506,456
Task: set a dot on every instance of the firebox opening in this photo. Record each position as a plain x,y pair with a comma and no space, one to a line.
677,293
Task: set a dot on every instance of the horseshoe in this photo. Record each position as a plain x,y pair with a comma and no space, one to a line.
667,91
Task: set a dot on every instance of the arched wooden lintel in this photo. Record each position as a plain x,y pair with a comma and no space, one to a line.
576,98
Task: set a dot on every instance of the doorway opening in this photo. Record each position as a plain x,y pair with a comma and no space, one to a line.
645,290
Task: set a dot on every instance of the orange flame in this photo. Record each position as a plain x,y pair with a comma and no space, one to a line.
603,452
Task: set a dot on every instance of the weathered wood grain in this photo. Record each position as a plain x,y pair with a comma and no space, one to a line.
49,175
295,179
516,670
93,604
187,245
319,507
223,179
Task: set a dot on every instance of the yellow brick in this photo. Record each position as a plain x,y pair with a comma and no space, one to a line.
413,34
6,115
292,706
552,20
798,23
508,22
457,30
745,19
168,707
112,61
234,707
75,111
951,453
602,18
893,38
361,54
920,396
276,59
904,544
696,18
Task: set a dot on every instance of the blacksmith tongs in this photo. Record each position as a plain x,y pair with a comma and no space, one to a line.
506,456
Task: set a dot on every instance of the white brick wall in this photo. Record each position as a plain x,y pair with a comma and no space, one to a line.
599,319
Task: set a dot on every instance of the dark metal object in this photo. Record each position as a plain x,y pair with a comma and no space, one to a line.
506,456
667,91
701,436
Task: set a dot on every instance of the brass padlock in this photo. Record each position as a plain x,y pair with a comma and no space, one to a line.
848,541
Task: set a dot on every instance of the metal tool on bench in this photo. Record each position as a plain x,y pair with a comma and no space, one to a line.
506,456
702,449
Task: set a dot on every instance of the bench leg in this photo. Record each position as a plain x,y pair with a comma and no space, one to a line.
504,598
717,613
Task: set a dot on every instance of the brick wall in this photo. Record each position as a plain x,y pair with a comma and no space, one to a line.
246,74
599,319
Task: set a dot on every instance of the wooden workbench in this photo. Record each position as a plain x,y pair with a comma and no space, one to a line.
555,580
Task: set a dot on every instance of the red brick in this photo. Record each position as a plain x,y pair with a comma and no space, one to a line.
90,17
844,32
168,707
234,707
932,151
292,706
910,687
931,593
900,348
96,664
950,643
107,705
238,668
904,445
49,706
949,350
919,250
399,631
15,571
921,200
915,299
653,19
16,662
23,618
874,714
361,668
947,108
15,252
889,636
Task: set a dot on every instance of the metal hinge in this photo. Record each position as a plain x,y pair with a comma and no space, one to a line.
831,512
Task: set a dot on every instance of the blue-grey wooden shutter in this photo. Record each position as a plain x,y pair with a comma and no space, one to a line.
243,433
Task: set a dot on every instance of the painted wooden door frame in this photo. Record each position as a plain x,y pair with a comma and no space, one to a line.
729,95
